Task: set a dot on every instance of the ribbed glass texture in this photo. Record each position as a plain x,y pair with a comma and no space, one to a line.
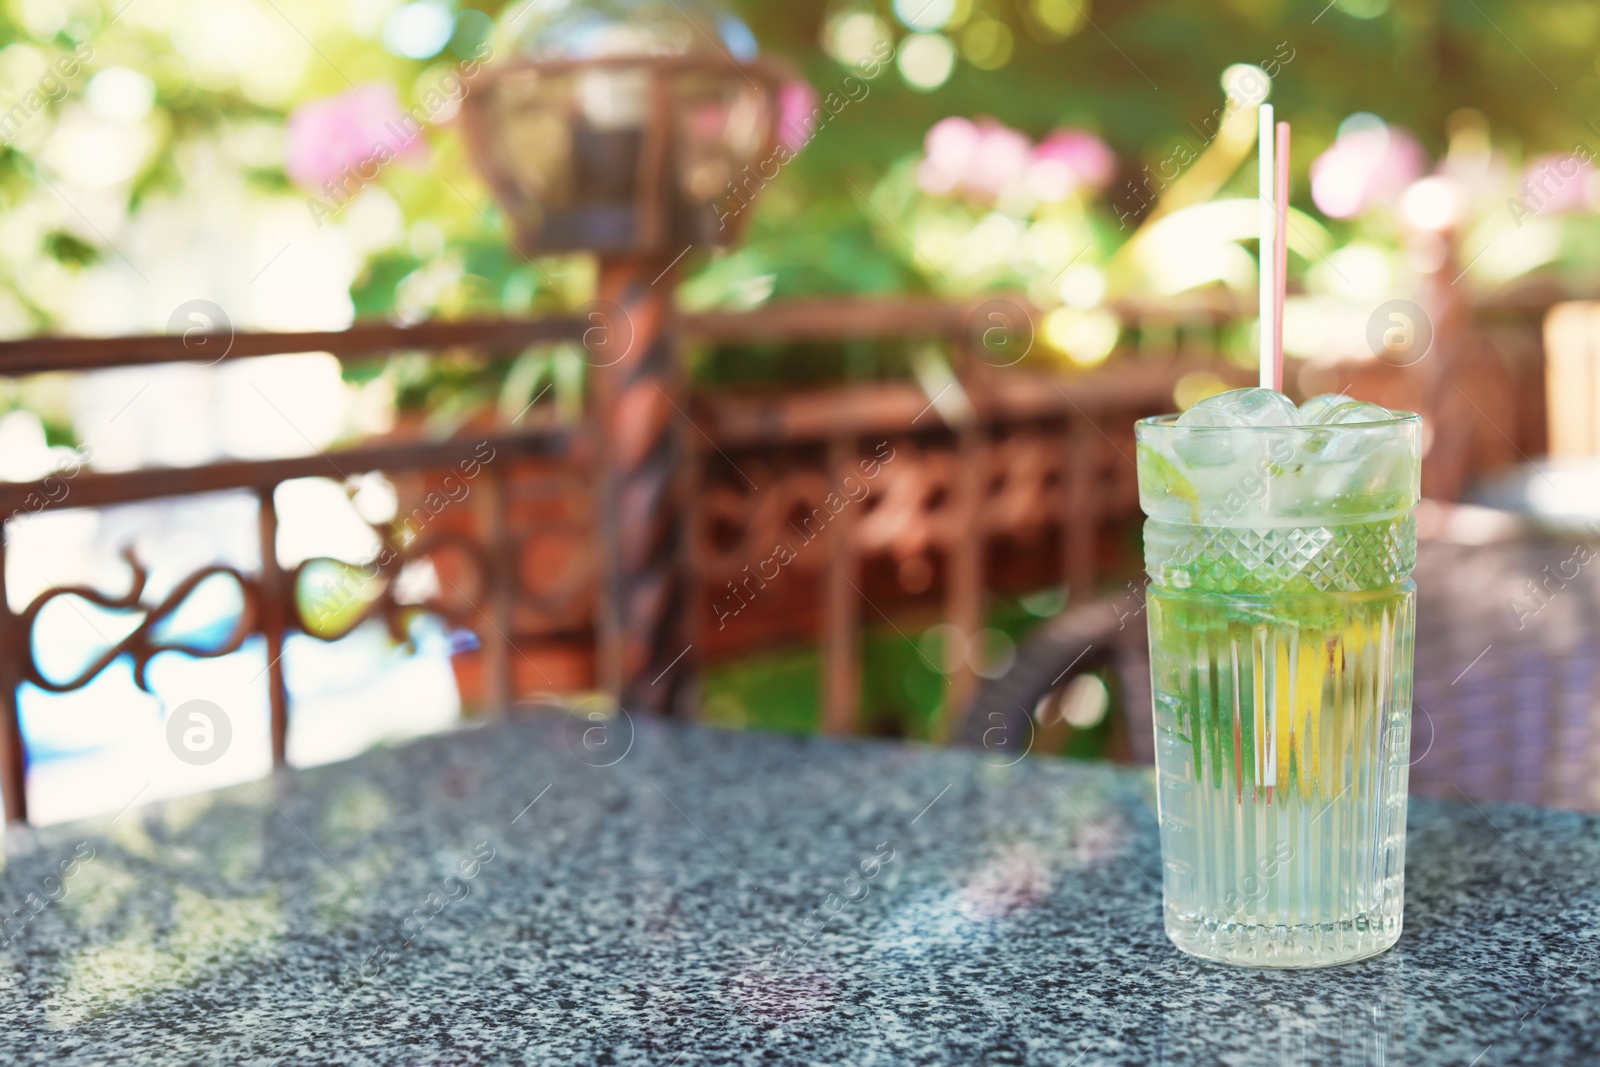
1282,740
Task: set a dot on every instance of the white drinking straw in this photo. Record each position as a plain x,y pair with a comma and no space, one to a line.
1267,184
1280,256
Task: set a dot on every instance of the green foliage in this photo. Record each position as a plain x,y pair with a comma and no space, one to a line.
779,691
70,249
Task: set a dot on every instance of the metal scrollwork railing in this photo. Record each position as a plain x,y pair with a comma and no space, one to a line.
345,605
142,644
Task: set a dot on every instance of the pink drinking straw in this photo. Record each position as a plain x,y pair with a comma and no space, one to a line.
1280,252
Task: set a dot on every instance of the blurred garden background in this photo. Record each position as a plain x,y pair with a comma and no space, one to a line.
177,165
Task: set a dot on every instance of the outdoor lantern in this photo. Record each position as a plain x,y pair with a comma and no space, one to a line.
635,130
625,127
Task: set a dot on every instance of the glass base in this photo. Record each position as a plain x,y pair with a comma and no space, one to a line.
1247,945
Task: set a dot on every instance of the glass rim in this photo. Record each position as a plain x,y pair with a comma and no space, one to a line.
1170,422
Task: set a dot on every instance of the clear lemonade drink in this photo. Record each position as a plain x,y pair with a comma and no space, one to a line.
1279,545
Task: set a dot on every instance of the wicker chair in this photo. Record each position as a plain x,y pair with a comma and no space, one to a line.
1018,712
1507,690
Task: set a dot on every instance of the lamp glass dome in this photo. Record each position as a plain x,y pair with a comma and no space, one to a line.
593,29
624,125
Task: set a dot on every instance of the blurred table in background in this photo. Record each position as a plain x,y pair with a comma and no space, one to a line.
531,893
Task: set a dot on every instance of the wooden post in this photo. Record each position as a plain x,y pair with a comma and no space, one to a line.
964,595
13,649
1572,379
502,586
274,623
841,607
1080,518
691,491
641,406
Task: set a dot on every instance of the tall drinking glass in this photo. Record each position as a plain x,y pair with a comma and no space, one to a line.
1281,617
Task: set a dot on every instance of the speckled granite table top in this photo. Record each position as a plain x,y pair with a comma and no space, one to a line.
513,894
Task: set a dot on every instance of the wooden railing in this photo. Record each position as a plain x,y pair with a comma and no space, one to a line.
893,507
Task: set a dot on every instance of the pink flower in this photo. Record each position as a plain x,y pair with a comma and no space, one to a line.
983,158
1553,184
1000,159
352,133
797,114
948,148
1365,167
1090,159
